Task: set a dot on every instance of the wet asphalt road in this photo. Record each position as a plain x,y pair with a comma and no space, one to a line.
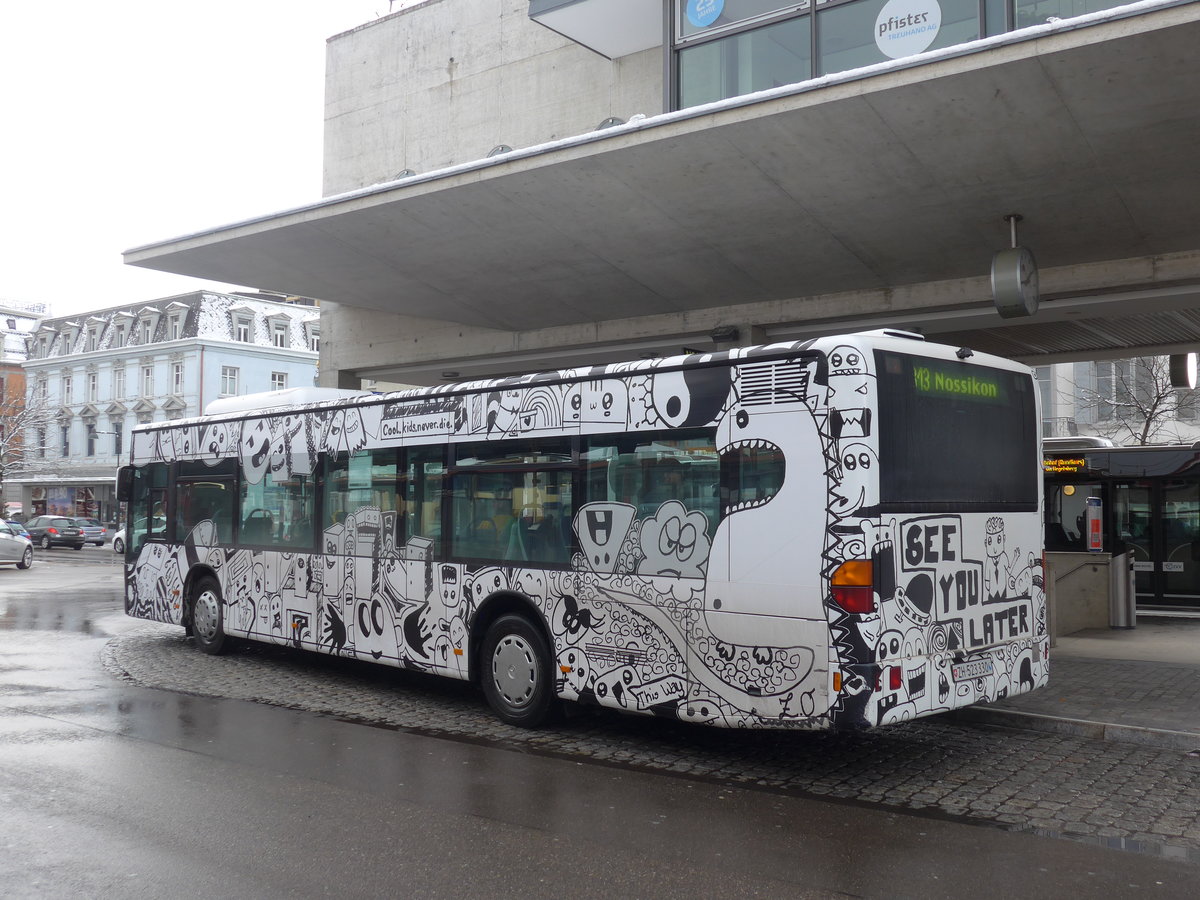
116,790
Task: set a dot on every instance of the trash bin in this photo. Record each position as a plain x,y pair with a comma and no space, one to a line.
1121,593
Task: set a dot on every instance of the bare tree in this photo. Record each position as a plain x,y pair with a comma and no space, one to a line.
1135,401
24,423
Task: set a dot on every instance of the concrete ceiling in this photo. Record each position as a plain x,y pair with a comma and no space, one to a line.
866,183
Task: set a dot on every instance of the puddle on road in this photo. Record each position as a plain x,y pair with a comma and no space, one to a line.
47,615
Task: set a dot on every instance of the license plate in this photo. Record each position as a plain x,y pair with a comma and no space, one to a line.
967,671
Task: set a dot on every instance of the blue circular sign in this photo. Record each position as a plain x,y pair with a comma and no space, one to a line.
703,13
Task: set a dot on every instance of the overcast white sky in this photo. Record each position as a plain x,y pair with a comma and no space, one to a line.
134,121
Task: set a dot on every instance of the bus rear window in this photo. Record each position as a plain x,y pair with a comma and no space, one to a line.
955,437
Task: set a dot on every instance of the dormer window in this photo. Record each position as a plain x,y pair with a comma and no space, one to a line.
70,334
124,326
241,323
280,325
175,328
147,323
93,339
312,336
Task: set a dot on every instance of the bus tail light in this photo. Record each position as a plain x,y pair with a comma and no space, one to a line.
852,586
894,682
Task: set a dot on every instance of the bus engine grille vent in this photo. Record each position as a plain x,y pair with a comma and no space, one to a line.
769,383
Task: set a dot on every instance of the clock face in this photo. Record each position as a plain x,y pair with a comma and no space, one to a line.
1015,282
1028,275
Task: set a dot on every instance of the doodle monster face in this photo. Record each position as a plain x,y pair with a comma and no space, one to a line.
993,543
915,663
847,376
674,542
214,442
602,528
690,397
185,442
859,469
767,548
600,402
503,412
483,584
256,451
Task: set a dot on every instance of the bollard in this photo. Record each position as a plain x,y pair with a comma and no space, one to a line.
1121,593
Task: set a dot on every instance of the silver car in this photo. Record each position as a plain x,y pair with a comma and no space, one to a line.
15,549
93,531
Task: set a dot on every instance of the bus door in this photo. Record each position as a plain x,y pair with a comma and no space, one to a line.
1160,522
1180,556
1135,528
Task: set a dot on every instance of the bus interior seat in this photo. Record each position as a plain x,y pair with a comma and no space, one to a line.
258,529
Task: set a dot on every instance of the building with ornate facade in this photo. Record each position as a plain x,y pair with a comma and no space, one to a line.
97,374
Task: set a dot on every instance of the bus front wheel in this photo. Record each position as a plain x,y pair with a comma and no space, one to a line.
208,617
516,676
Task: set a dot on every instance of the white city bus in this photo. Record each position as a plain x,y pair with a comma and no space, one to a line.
838,533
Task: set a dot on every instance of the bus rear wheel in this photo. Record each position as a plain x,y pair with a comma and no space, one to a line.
208,617
516,672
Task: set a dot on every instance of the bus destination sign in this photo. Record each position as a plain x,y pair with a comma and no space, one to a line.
932,381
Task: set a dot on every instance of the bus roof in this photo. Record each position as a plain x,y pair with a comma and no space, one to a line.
301,399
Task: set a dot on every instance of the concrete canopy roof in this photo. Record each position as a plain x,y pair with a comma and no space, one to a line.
854,183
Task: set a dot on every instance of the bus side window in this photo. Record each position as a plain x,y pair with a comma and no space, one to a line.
648,469
364,480
421,488
278,510
753,474
147,508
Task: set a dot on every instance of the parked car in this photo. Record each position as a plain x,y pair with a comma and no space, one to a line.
19,526
15,549
55,531
94,531
157,525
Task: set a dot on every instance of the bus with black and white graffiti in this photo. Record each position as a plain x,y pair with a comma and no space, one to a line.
837,533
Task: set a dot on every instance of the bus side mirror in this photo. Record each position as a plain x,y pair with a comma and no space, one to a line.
125,483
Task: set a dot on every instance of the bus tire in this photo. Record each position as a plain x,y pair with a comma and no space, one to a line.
208,617
516,672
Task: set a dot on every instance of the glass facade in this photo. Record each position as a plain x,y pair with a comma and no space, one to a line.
746,62
729,48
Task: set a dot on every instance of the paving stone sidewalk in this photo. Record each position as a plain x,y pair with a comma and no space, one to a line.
1118,794
1160,697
